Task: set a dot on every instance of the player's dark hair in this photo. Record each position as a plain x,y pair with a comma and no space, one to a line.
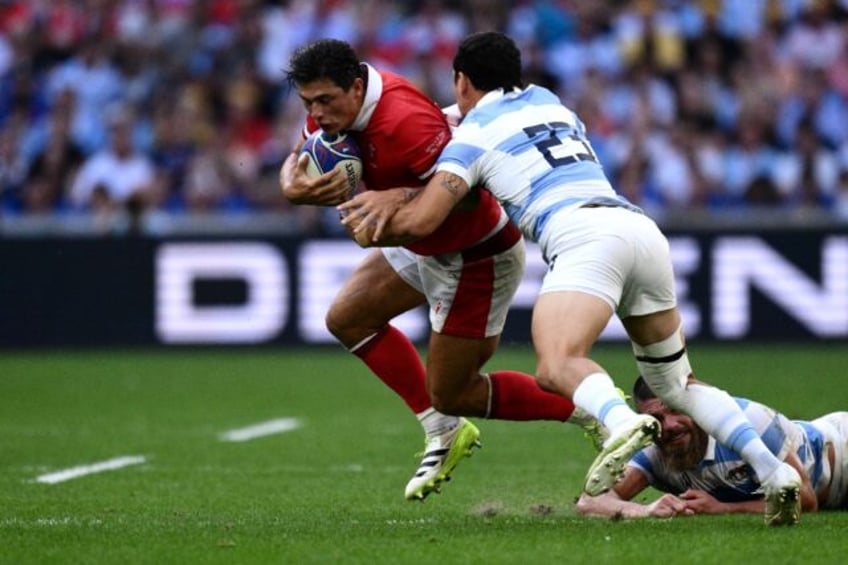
641,391
490,60
331,59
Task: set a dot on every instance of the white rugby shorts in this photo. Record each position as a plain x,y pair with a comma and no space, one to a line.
466,298
834,426
613,253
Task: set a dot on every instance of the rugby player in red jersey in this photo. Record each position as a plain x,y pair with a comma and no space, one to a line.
467,270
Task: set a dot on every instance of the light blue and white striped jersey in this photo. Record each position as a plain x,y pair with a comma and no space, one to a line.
531,152
724,474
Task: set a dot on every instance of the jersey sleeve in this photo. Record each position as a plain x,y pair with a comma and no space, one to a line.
461,159
643,460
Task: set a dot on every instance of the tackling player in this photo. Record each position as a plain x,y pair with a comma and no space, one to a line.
467,270
605,257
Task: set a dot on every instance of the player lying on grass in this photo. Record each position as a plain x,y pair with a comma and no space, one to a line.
702,476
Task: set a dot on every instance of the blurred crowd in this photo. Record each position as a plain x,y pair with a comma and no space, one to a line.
180,106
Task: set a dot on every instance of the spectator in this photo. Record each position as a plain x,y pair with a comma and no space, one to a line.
116,178
813,99
65,25
808,176
176,129
817,39
55,161
96,83
589,45
751,156
841,204
210,182
701,72
12,165
710,55
675,168
652,33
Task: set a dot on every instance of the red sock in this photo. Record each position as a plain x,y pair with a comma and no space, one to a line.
393,358
516,396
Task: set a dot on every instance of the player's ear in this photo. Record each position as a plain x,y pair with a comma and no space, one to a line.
462,89
358,86
463,85
459,79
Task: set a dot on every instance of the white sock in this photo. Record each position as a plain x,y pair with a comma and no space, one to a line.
665,367
718,414
597,395
435,423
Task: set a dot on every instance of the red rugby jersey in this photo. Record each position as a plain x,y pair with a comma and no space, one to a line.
401,132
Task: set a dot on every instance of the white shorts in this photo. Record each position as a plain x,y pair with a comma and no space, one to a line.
613,253
468,296
834,427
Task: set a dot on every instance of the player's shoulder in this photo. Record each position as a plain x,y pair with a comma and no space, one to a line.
649,462
483,126
541,94
405,115
401,94
393,80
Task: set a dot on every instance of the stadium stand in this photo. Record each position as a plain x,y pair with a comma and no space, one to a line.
708,111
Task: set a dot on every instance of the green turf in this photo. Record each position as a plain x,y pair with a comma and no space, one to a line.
332,491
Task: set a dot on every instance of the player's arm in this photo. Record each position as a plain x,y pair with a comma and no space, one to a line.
401,215
299,188
617,503
701,502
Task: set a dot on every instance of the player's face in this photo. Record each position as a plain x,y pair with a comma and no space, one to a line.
333,108
682,442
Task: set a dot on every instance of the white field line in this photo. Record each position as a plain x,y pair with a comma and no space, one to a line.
90,469
261,429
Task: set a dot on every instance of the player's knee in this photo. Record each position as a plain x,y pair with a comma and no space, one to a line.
336,323
346,327
562,374
545,377
351,325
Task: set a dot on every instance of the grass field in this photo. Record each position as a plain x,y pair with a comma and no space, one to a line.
331,490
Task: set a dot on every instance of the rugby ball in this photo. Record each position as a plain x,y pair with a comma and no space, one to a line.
329,152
